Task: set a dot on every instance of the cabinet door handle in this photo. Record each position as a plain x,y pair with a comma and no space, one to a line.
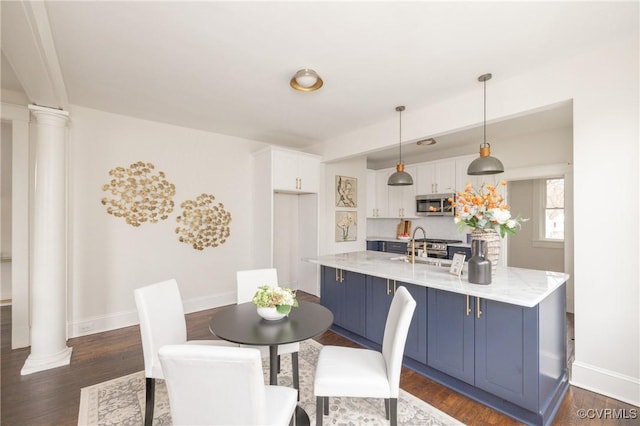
341,277
468,306
388,289
336,274
394,287
478,311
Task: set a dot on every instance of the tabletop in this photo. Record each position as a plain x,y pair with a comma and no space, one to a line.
241,324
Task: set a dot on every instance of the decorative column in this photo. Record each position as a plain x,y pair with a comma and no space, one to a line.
49,236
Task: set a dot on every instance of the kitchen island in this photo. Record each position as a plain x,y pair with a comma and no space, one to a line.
503,344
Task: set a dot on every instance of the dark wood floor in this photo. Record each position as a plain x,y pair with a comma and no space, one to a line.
52,397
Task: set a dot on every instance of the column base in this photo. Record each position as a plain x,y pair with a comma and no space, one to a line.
34,364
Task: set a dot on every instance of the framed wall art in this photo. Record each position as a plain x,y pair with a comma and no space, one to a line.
346,191
346,226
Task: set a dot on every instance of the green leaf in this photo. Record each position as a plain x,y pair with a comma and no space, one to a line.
283,309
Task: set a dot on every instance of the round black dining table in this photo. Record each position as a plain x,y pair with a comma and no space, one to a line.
241,324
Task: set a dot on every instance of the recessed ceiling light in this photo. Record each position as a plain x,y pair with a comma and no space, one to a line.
425,142
306,80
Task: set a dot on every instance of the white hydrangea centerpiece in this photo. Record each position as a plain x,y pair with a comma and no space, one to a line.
281,298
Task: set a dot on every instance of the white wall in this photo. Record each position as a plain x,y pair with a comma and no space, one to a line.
522,253
603,86
5,213
286,247
352,168
109,259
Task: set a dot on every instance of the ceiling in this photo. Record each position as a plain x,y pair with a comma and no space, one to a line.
225,66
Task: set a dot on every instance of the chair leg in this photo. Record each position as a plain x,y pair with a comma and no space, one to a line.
319,410
150,392
393,411
296,377
386,408
326,405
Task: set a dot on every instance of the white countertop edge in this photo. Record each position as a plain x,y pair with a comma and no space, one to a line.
517,286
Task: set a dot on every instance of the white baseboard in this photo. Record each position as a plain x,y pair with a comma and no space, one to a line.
20,337
34,363
609,383
117,320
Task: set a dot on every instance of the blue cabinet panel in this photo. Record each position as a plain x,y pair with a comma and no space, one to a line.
373,245
380,293
344,294
354,304
396,247
451,339
416,346
506,358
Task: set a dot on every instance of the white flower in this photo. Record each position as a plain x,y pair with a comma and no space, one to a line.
500,216
511,223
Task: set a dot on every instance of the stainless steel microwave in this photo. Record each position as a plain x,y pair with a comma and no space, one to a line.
435,204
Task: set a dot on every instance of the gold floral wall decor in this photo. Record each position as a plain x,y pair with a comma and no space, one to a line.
139,194
202,223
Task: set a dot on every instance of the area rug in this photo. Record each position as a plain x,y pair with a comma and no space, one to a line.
121,401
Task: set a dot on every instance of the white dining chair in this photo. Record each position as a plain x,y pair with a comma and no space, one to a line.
247,283
214,385
364,373
162,322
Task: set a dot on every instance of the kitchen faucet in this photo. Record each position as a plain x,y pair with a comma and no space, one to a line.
413,243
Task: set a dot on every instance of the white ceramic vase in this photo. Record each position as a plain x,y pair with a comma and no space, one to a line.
270,314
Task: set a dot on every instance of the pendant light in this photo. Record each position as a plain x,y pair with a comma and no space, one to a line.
485,164
400,177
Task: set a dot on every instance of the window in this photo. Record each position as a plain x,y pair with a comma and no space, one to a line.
553,224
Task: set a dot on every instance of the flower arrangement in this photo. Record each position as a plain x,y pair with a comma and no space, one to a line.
283,299
485,209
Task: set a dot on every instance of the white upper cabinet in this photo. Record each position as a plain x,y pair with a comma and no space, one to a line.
384,201
371,194
436,178
295,172
402,199
382,194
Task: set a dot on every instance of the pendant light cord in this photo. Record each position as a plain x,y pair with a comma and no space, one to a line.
400,141
484,83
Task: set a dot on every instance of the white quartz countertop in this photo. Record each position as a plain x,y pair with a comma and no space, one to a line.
518,286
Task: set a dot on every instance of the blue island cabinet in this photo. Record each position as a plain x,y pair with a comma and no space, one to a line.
503,349
380,292
343,293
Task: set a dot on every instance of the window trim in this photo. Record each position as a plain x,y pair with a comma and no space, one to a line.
538,220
